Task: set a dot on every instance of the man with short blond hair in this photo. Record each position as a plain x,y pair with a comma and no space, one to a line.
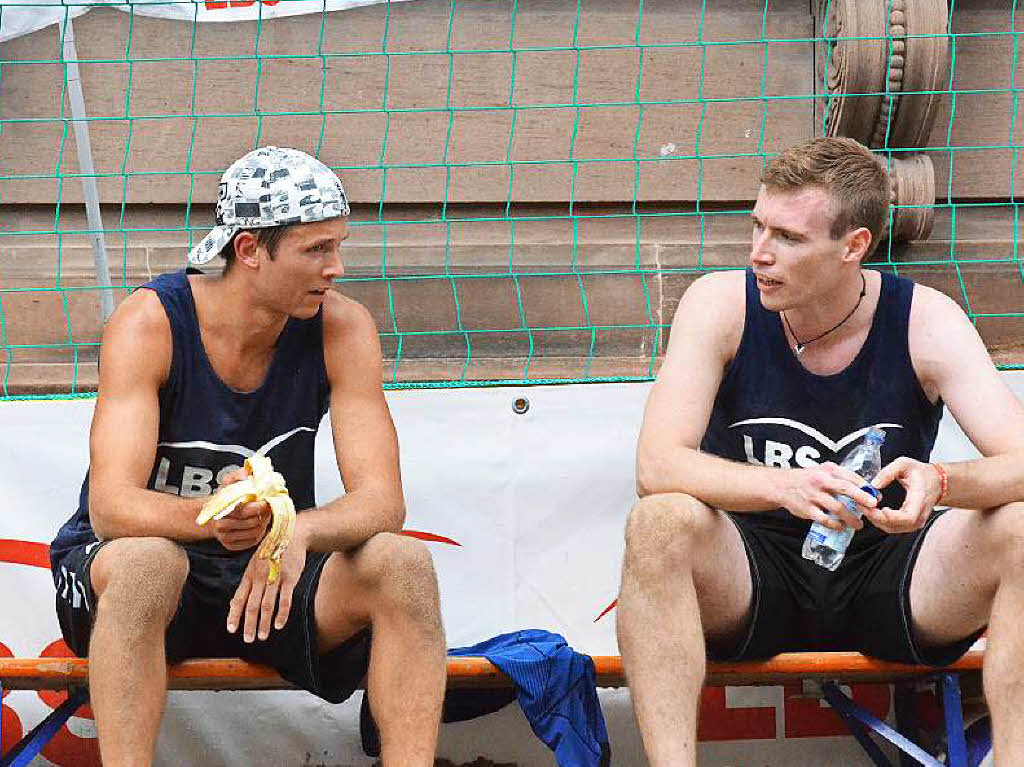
770,375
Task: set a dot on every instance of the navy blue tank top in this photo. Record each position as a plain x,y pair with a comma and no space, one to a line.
772,411
208,429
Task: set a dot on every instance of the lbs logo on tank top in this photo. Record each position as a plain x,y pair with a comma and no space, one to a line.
198,467
786,443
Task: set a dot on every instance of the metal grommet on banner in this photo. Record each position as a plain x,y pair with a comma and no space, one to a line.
520,405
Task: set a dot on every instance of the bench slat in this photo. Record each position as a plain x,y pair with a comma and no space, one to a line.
839,666
209,674
235,674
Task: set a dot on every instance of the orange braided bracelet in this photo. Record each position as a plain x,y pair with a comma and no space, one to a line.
945,480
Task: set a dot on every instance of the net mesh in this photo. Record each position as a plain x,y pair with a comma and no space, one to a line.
533,184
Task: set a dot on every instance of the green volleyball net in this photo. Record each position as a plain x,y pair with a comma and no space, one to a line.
534,185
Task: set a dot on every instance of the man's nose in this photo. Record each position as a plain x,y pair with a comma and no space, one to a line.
760,252
334,267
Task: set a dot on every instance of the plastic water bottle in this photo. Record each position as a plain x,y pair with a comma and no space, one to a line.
826,546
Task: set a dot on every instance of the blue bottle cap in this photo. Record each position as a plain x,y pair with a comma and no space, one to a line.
873,491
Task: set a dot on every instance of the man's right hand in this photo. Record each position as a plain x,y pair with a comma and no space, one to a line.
244,527
811,494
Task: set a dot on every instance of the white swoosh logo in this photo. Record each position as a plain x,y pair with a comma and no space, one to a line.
238,449
810,431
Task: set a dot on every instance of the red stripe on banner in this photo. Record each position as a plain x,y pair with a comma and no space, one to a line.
607,610
430,537
25,553
38,554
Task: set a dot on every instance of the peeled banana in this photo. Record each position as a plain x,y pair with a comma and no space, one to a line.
262,484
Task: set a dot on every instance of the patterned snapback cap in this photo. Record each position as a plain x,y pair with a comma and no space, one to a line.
271,186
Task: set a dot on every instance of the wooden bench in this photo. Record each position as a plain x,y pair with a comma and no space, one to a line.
829,669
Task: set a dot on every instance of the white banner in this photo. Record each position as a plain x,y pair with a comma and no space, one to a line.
20,17
536,503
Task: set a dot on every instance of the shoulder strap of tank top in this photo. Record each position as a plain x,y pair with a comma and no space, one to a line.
894,303
175,295
897,295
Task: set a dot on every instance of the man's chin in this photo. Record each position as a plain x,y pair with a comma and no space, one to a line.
304,311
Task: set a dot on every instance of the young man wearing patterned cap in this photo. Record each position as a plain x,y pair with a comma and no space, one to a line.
770,375
197,373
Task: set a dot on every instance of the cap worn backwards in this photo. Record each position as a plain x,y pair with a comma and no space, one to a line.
271,186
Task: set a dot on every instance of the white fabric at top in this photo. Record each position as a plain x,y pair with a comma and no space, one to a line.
20,17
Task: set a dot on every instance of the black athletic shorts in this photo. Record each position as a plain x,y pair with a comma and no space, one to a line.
863,606
198,628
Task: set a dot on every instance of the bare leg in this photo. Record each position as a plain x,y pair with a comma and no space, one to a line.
138,583
685,575
970,572
389,583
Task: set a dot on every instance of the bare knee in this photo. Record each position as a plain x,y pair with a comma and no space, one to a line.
1004,538
399,571
140,579
662,530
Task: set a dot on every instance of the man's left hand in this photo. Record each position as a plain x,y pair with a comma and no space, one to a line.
924,487
256,601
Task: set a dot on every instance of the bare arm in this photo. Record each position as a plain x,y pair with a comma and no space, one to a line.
987,410
135,359
952,363
365,442
705,335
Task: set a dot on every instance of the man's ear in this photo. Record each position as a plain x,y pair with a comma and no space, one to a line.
857,244
247,249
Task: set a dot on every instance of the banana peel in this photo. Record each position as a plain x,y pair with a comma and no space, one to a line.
262,484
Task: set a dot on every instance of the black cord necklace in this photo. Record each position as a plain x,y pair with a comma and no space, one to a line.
801,345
